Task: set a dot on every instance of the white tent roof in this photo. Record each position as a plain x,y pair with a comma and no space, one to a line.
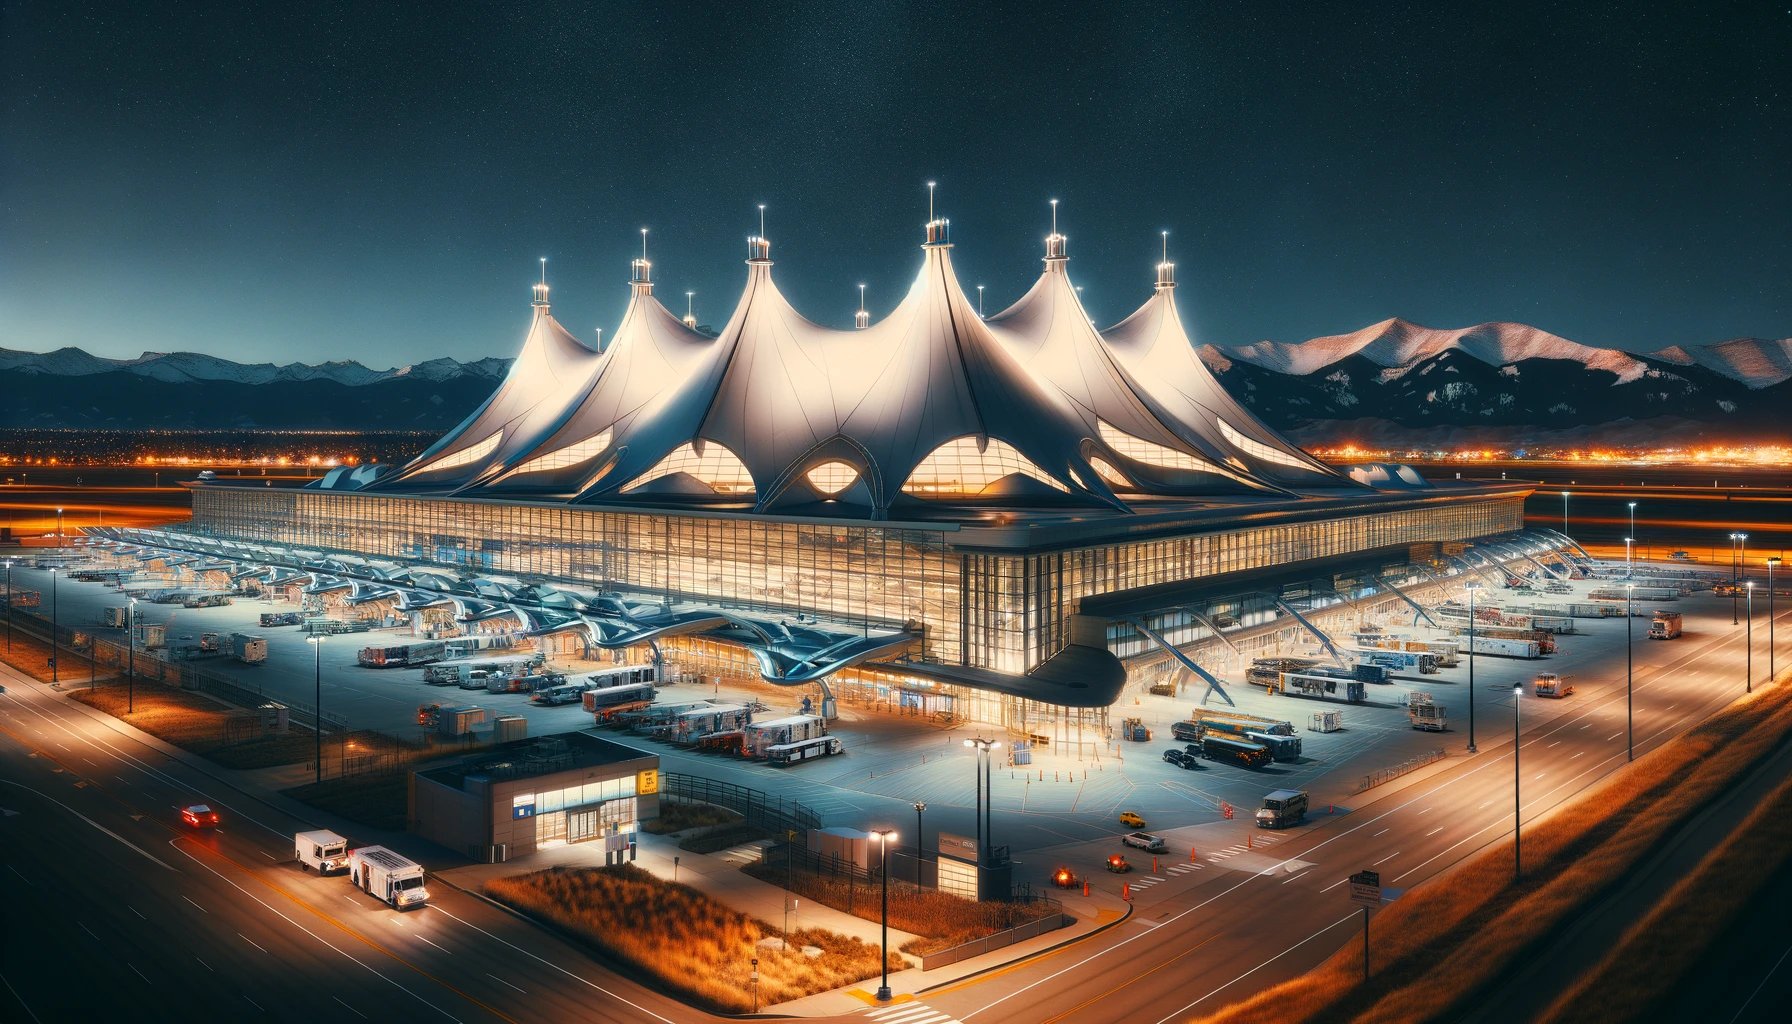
1156,353
533,400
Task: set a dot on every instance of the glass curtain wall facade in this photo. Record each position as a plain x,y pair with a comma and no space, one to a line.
1006,612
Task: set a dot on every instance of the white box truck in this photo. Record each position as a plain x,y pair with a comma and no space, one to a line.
321,851
388,877
248,649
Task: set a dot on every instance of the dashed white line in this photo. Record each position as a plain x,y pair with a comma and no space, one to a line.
1301,875
139,974
254,1004
205,965
1577,755
202,910
88,930
134,910
1426,811
1334,885
1541,774
1434,831
349,1008
1552,744
251,942
1384,860
1613,736
1383,832
506,984
432,942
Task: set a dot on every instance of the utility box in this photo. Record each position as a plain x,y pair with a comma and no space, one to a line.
459,721
511,727
1326,721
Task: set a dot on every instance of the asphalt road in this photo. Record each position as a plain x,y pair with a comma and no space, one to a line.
115,911
1245,919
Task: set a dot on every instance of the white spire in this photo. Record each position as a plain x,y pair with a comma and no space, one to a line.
1166,271
600,339
861,319
541,287
761,220
1054,244
980,315
641,278
939,229
690,315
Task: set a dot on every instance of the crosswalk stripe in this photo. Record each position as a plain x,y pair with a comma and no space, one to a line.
910,1013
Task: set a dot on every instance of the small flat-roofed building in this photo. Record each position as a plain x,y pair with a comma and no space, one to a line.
515,798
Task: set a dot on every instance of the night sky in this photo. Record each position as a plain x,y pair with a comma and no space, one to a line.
317,181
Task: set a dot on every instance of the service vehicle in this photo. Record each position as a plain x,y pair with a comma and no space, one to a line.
1144,841
1281,748
1177,758
199,816
1185,731
399,655
1132,819
784,754
555,696
1283,808
1665,625
1064,878
321,851
1236,751
1118,865
1549,684
388,877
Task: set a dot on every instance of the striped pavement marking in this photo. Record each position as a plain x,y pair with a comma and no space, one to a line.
910,1013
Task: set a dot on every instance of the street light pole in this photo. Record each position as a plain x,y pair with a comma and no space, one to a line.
1628,541
1733,619
1564,513
54,668
1472,588
1628,568
317,708
1772,564
885,836
1629,648
920,839
1517,807
9,606
1748,659
130,645
980,779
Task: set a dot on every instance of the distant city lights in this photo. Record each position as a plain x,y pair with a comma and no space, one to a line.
1710,455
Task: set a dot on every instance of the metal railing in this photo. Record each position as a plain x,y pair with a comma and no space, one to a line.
761,810
1376,778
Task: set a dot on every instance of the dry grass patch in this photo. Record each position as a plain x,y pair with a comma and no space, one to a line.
941,920
32,657
1655,956
1450,939
678,815
691,943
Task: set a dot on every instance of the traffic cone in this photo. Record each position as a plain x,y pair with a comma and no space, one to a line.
1247,840
1192,856
1154,865
1126,891
1085,887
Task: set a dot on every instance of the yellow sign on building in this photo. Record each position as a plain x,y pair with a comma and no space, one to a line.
647,782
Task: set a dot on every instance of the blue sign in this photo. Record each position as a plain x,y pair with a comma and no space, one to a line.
522,811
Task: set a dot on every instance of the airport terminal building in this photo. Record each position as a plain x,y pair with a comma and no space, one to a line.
995,517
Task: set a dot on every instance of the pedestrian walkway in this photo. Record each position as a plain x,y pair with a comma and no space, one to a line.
911,1012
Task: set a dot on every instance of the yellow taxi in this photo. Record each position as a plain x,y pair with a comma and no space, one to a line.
1131,819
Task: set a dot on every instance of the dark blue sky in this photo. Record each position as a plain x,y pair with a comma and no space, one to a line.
312,181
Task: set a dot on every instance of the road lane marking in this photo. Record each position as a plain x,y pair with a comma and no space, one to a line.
1552,744
202,910
1434,831
501,981
1613,736
1334,885
588,983
1426,811
20,999
21,875
205,965
349,1008
1577,755
139,974
1347,917
88,930
1301,875
439,946
251,942
134,910
145,853
253,1002
1384,860
1383,832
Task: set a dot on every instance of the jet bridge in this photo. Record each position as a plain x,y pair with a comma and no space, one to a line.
1213,685
1324,641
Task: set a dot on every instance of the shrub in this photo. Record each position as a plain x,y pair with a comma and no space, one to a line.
688,941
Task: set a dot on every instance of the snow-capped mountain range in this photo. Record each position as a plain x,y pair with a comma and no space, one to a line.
1399,345
187,367
1425,382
